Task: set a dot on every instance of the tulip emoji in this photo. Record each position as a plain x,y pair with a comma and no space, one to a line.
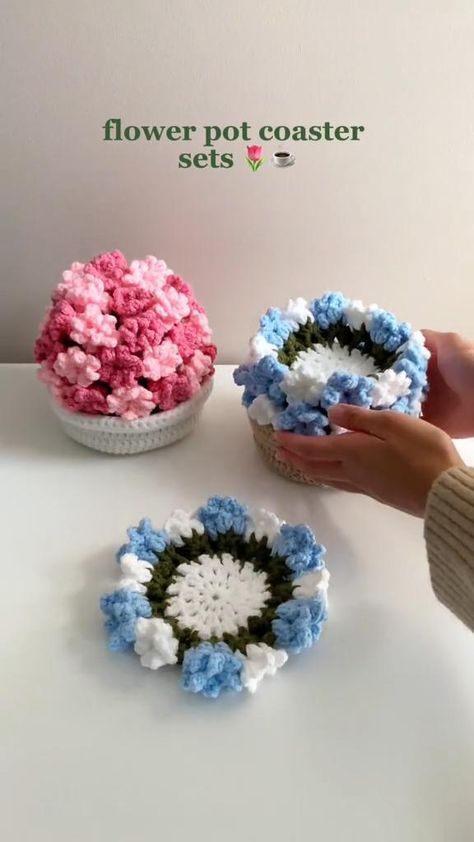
255,157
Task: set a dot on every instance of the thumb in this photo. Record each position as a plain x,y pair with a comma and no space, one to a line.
355,418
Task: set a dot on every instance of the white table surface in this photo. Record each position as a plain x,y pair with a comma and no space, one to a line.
369,736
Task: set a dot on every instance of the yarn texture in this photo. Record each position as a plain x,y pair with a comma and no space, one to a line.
316,354
124,340
224,591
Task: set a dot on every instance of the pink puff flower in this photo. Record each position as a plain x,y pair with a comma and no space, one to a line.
161,360
180,285
140,338
142,332
119,367
131,403
92,399
173,390
198,367
171,305
60,320
47,349
92,328
149,274
77,367
110,266
210,350
76,270
83,289
198,319
55,329
130,301
187,336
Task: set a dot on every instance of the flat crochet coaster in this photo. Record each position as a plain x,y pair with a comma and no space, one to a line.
225,592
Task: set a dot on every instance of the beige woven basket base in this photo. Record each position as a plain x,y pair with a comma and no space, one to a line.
265,443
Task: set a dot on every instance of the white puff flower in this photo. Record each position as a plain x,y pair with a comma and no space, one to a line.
155,643
260,347
265,525
135,573
181,524
357,314
260,660
390,386
312,584
418,339
297,313
262,410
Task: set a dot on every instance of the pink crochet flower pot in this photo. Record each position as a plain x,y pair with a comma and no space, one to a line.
121,349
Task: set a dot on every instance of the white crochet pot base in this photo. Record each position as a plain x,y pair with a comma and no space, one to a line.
113,435
215,596
312,368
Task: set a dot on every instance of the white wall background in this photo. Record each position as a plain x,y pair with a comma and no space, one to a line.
387,219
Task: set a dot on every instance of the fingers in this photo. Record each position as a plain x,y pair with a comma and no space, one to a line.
324,471
444,344
327,473
357,419
324,448
383,424
431,338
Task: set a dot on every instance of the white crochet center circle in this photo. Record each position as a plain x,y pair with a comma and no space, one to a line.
312,368
216,595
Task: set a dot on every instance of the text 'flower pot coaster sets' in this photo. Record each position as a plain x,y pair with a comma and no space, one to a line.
224,592
126,352
319,353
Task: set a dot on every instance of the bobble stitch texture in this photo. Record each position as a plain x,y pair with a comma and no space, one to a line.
122,609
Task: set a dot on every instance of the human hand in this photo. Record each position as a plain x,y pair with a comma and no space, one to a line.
450,401
391,457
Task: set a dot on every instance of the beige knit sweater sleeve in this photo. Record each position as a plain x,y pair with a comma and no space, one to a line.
449,535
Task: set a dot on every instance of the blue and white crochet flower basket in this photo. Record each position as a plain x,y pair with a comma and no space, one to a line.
319,353
225,592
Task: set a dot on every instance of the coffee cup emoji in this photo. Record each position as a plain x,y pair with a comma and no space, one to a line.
281,158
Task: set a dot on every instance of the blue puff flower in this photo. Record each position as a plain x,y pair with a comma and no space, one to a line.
268,374
414,353
261,379
304,419
122,609
221,514
417,377
299,548
344,387
145,541
298,623
386,330
328,309
402,405
210,668
274,328
243,376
